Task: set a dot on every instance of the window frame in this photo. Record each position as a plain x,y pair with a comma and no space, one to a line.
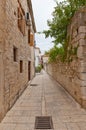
29,36
15,53
21,66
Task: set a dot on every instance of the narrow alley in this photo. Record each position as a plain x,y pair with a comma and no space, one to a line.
45,97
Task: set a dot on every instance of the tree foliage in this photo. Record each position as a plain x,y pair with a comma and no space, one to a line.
54,52
61,18
46,52
62,14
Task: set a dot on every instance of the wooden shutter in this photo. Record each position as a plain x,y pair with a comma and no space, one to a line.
31,40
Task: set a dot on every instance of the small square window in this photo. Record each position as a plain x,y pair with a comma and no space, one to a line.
21,66
15,54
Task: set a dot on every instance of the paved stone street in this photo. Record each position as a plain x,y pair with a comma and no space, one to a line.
46,98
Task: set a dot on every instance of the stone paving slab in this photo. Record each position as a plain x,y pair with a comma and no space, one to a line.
47,98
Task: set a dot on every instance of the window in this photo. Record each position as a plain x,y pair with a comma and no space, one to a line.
29,36
21,19
14,54
21,66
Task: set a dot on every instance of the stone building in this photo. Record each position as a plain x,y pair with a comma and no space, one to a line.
17,29
37,56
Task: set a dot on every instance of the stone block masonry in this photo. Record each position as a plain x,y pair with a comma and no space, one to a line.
15,53
72,75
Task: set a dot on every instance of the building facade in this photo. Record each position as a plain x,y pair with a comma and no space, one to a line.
17,29
45,59
37,56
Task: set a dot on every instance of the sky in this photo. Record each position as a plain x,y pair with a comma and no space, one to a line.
42,10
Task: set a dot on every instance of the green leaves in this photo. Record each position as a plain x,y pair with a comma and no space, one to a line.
58,25
62,14
56,52
61,18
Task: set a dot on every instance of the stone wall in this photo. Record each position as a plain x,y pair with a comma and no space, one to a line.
12,81
72,75
2,30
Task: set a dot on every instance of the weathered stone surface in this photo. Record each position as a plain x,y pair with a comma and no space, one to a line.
80,52
73,76
82,29
82,42
12,82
